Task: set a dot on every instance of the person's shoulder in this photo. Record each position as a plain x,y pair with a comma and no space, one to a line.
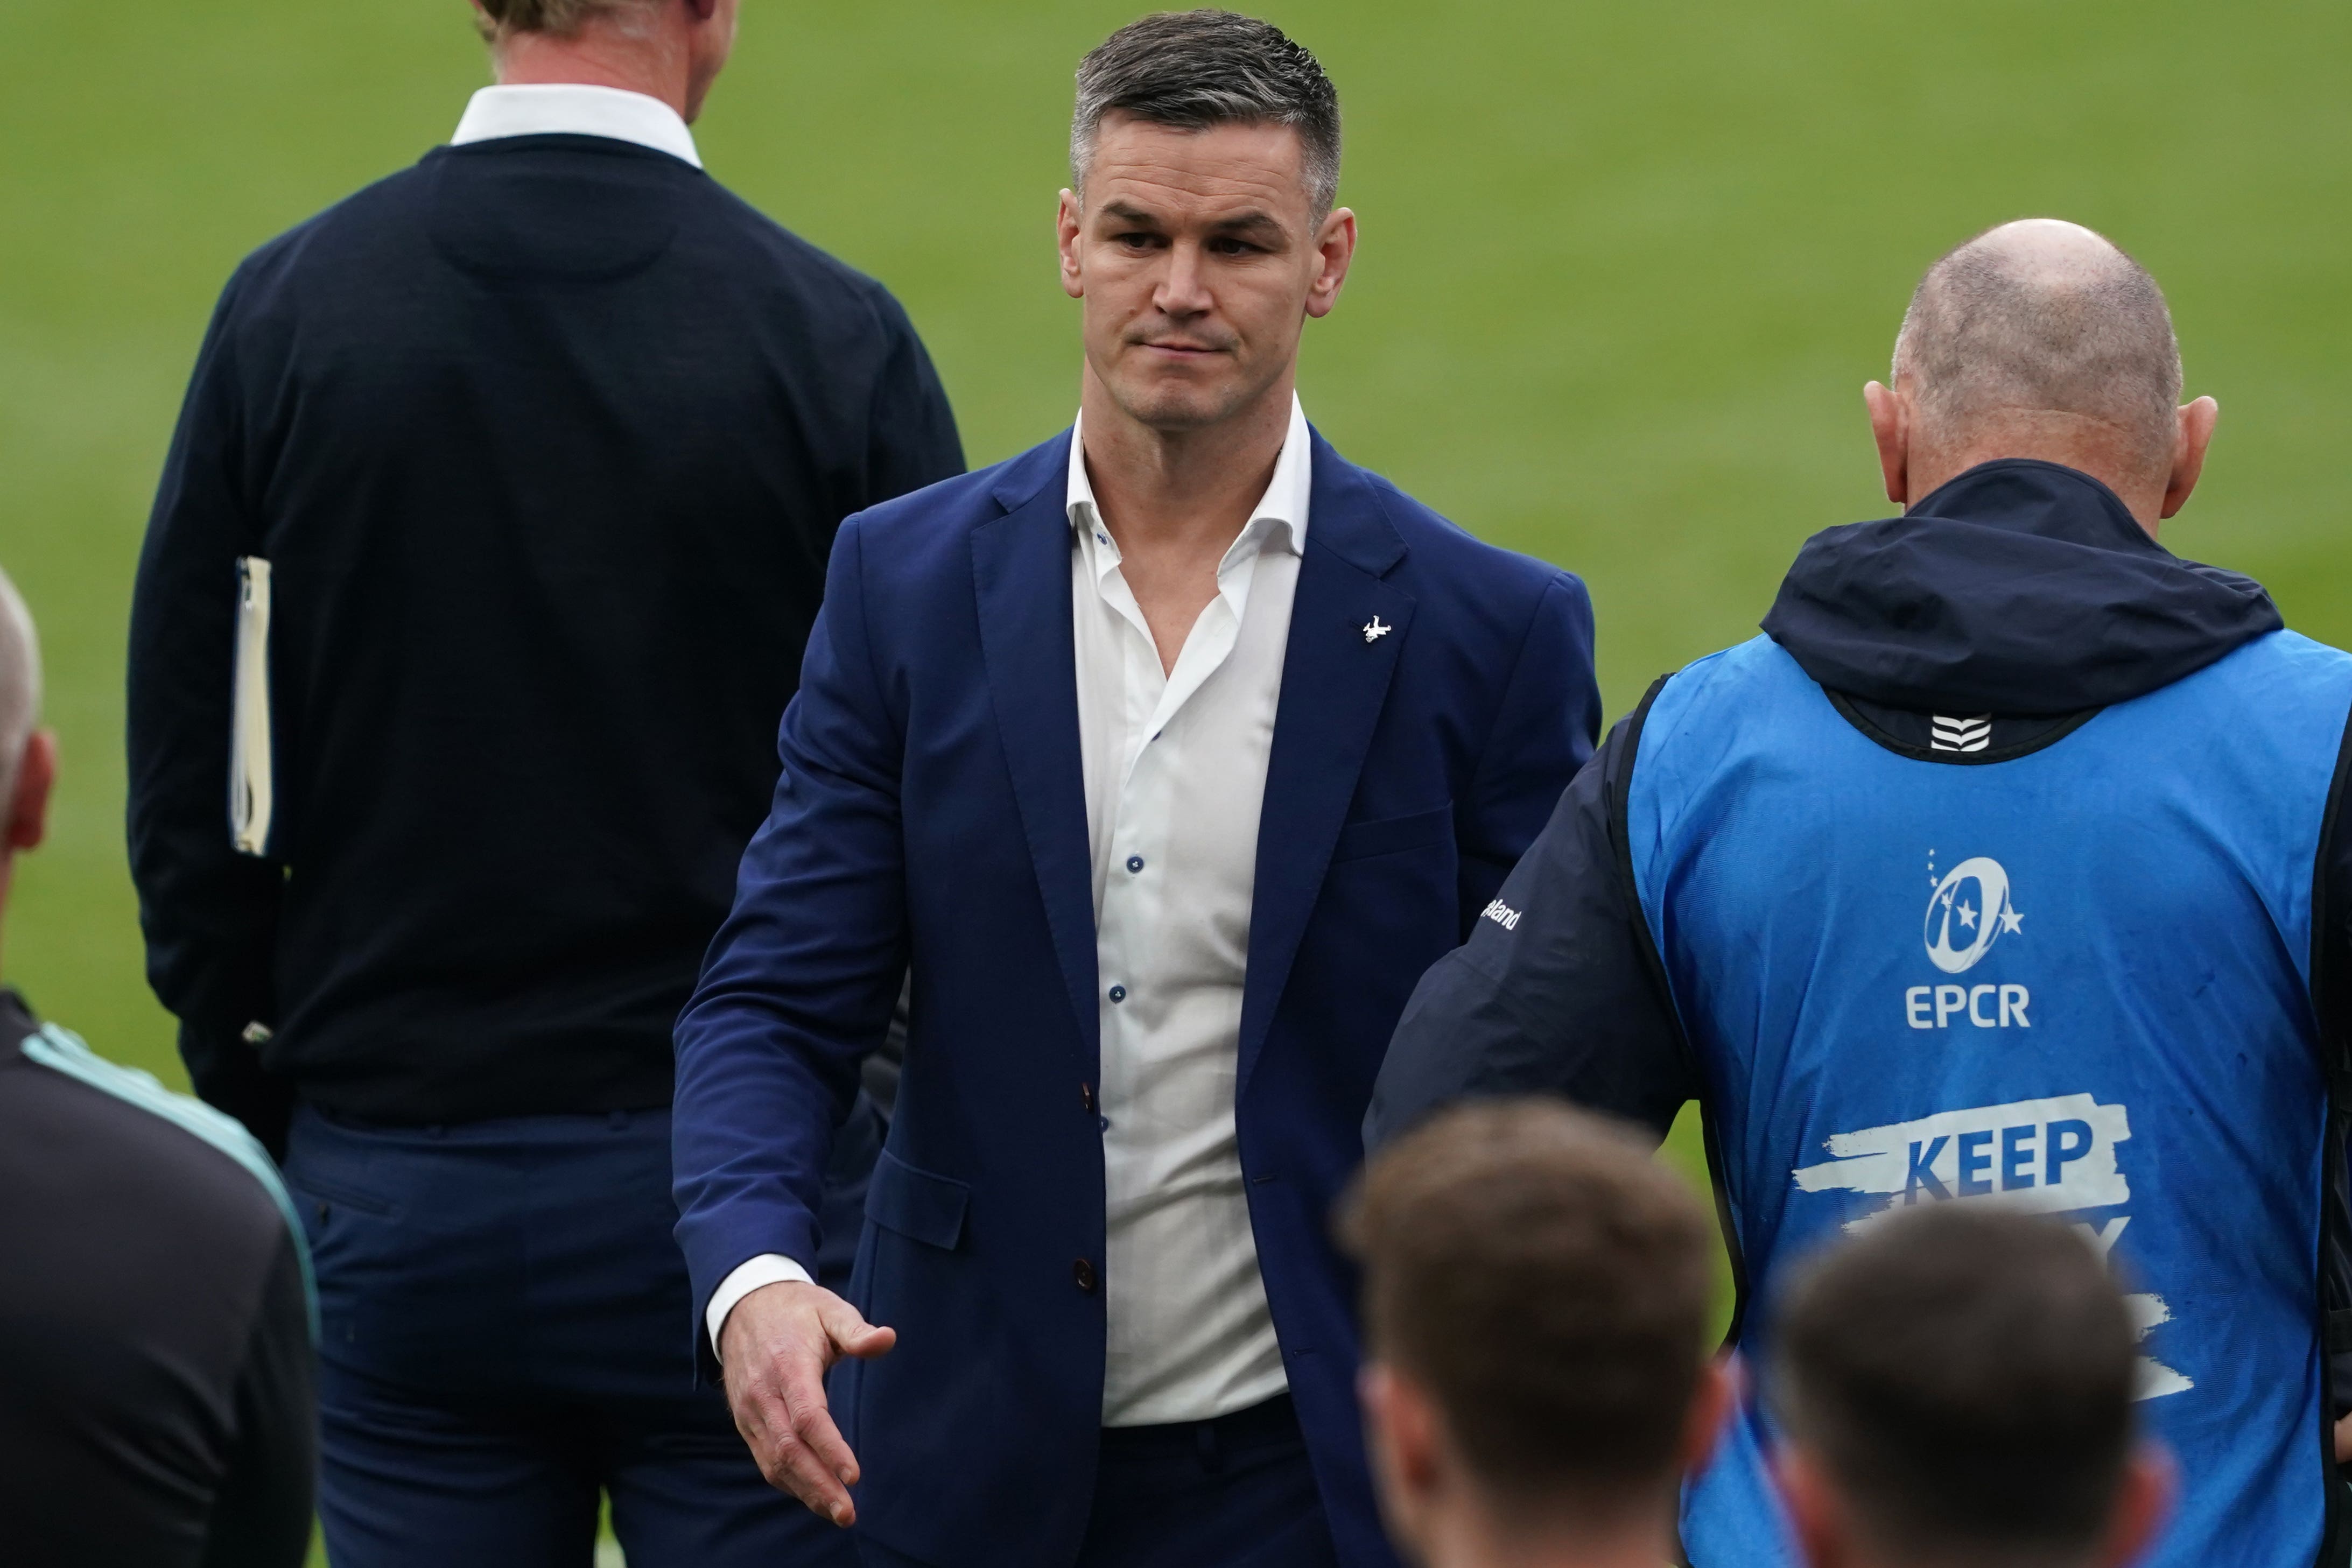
169,1159
2280,688
1744,685
2293,650
1744,667
1439,555
324,243
785,256
936,522
394,196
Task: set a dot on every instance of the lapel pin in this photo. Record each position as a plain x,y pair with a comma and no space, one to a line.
1374,631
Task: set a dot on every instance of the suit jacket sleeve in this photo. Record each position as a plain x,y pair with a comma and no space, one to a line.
913,430
1543,732
1559,992
210,915
801,981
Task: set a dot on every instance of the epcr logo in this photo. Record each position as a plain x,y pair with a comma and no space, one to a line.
1972,904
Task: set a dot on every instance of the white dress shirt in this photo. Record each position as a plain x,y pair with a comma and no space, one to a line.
1175,774
1175,766
575,108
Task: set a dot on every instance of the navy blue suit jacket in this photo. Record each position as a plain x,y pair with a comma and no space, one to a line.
932,811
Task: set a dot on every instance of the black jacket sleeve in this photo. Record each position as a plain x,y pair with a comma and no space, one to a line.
914,439
261,1515
2331,997
210,915
1559,990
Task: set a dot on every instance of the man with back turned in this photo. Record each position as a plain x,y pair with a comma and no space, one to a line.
2007,865
1165,755
1954,1389
1536,1297
156,1366
493,531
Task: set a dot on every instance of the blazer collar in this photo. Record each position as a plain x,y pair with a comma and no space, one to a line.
1021,575
1020,479
1349,627
1350,514
1334,684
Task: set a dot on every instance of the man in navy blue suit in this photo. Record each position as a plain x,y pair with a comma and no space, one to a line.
1166,756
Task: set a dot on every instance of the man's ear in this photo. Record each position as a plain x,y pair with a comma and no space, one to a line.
2195,433
1890,426
1711,1406
2143,1503
1335,244
1069,222
1400,1431
28,809
1817,1515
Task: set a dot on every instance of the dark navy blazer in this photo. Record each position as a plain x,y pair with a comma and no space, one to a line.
932,812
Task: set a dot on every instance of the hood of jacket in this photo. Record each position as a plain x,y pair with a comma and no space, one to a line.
2019,588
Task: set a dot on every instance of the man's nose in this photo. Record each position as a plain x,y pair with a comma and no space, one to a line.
1184,286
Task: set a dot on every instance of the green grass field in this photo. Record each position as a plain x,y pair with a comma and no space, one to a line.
1625,270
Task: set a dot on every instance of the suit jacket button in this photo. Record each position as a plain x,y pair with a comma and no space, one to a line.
1087,1097
1082,1270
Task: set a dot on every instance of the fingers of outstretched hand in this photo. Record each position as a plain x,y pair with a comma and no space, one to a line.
791,1433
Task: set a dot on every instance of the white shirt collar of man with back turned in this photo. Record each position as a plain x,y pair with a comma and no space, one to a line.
576,109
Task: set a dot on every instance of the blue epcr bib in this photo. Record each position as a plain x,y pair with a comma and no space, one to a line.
2076,980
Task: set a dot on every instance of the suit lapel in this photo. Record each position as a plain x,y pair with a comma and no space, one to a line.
1335,682
1021,567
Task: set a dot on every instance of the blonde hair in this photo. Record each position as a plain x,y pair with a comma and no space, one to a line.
20,687
561,17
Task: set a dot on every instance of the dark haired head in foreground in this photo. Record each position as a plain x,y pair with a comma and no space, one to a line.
1956,1387
1536,1298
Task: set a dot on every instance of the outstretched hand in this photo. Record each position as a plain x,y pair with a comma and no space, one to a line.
776,1348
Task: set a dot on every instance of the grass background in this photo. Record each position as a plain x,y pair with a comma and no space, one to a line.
1625,270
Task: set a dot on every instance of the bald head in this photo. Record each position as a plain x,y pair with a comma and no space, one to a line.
20,686
2038,323
2041,339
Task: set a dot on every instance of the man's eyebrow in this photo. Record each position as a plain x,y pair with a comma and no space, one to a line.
1254,221
1251,221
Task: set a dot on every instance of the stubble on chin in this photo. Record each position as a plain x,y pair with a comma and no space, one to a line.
1173,401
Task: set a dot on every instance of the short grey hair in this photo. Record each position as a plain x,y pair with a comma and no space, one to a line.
2043,317
20,687
1190,70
